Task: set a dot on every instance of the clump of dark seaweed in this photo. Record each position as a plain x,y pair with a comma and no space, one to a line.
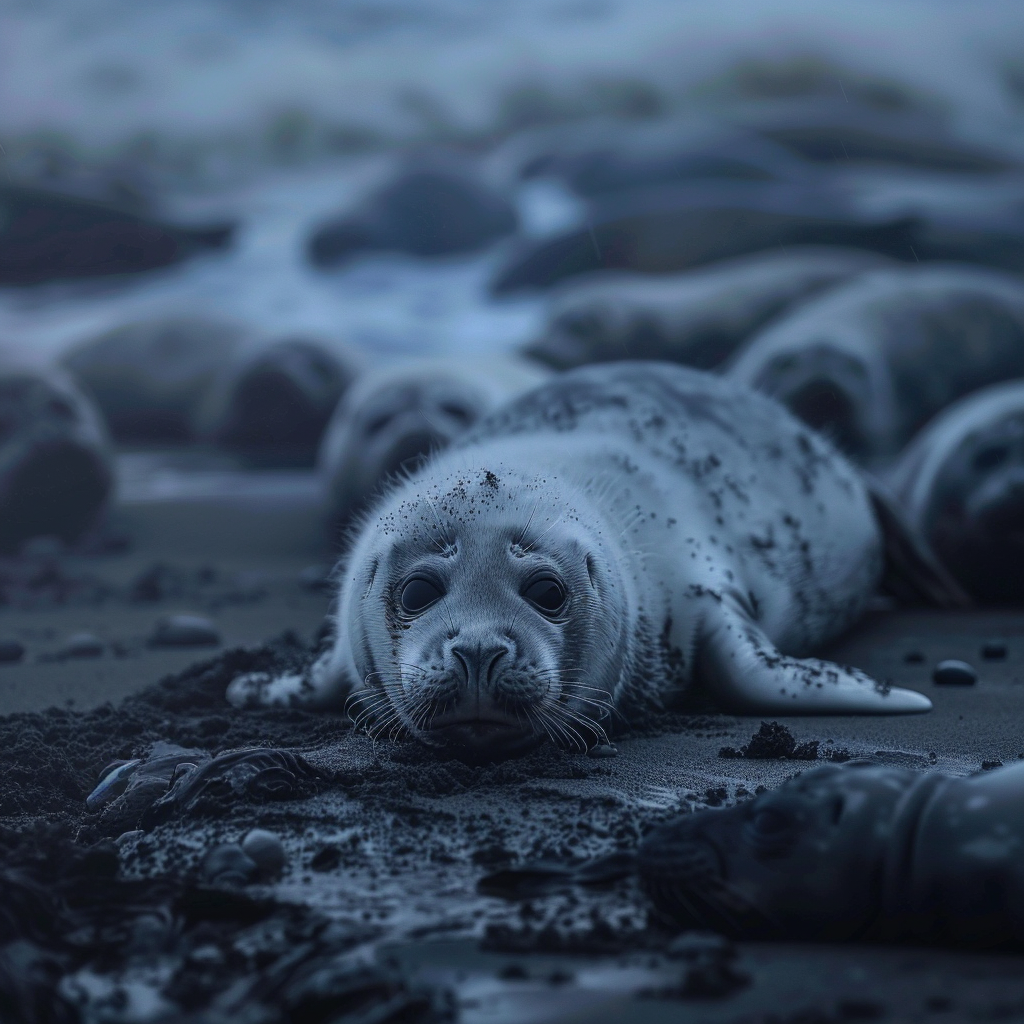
774,742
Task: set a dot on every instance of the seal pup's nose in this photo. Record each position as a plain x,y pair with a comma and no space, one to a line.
478,661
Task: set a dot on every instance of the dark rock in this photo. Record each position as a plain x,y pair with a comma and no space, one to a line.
914,658
82,645
185,631
266,850
710,970
228,864
47,236
954,673
424,211
327,858
994,650
987,766
11,651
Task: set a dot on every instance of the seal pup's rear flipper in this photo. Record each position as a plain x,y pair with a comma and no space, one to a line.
744,670
913,572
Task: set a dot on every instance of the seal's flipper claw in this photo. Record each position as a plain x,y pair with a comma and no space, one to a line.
746,672
913,572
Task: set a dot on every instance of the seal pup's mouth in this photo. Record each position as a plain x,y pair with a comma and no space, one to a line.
479,740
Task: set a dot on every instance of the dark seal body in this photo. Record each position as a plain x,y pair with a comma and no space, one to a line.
854,853
961,482
607,540
873,360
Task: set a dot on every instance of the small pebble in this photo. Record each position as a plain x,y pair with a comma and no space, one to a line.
228,864
603,750
993,650
83,645
266,850
954,673
913,658
988,766
127,837
185,631
11,651
327,858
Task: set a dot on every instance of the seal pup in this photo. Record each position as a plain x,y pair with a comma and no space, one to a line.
272,402
871,361
392,418
961,483
56,465
151,377
604,542
698,318
860,852
682,227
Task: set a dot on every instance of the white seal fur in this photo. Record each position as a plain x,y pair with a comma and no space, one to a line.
607,540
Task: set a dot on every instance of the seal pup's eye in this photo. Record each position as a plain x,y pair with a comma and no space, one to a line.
547,595
419,594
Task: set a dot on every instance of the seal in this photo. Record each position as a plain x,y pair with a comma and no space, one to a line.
870,362
150,378
680,227
961,483
604,542
392,418
56,463
859,852
271,403
698,318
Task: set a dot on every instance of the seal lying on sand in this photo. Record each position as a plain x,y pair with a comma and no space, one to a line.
871,361
698,318
151,377
393,418
860,852
272,403
56,466
605,541
961,482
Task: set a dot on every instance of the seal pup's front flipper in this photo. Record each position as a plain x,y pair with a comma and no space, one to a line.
744,670
320,686
913,572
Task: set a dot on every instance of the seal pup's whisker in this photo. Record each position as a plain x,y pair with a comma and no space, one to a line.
587,723
556,717
536,540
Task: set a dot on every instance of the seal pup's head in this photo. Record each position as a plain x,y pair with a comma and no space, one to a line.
962,480
805,861
483,613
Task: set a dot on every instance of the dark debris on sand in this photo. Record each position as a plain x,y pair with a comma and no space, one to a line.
80,942
774,742
51,760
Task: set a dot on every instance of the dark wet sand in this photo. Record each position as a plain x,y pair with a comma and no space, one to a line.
415,835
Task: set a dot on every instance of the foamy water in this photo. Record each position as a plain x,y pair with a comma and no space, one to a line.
270,111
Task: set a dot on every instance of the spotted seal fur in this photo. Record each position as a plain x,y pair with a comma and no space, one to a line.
606,541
